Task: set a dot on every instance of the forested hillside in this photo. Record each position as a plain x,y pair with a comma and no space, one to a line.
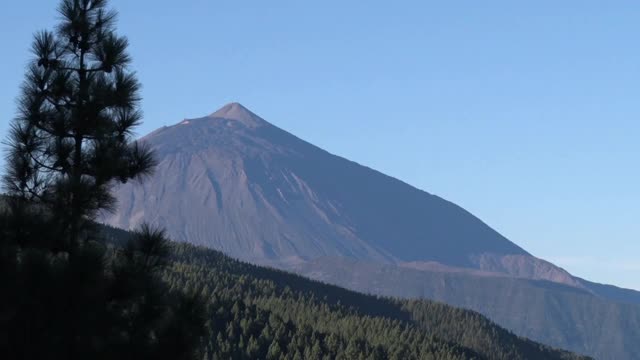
261,313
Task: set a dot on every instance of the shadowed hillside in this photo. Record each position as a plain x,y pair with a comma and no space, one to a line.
259,312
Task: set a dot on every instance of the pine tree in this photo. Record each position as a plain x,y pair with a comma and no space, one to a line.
274,351
77,112
66,295
253,348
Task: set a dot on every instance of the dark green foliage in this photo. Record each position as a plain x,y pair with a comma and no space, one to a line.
262,313
78,108
93,303
65,295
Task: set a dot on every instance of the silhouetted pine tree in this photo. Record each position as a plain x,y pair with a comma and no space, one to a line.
65,294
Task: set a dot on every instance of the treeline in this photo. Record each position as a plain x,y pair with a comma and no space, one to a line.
261,313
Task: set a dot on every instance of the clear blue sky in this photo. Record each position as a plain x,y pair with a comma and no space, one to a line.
525,113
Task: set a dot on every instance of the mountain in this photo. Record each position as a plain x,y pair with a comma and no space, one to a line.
262,313
233,182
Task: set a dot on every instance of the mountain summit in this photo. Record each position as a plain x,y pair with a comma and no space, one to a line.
235,111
